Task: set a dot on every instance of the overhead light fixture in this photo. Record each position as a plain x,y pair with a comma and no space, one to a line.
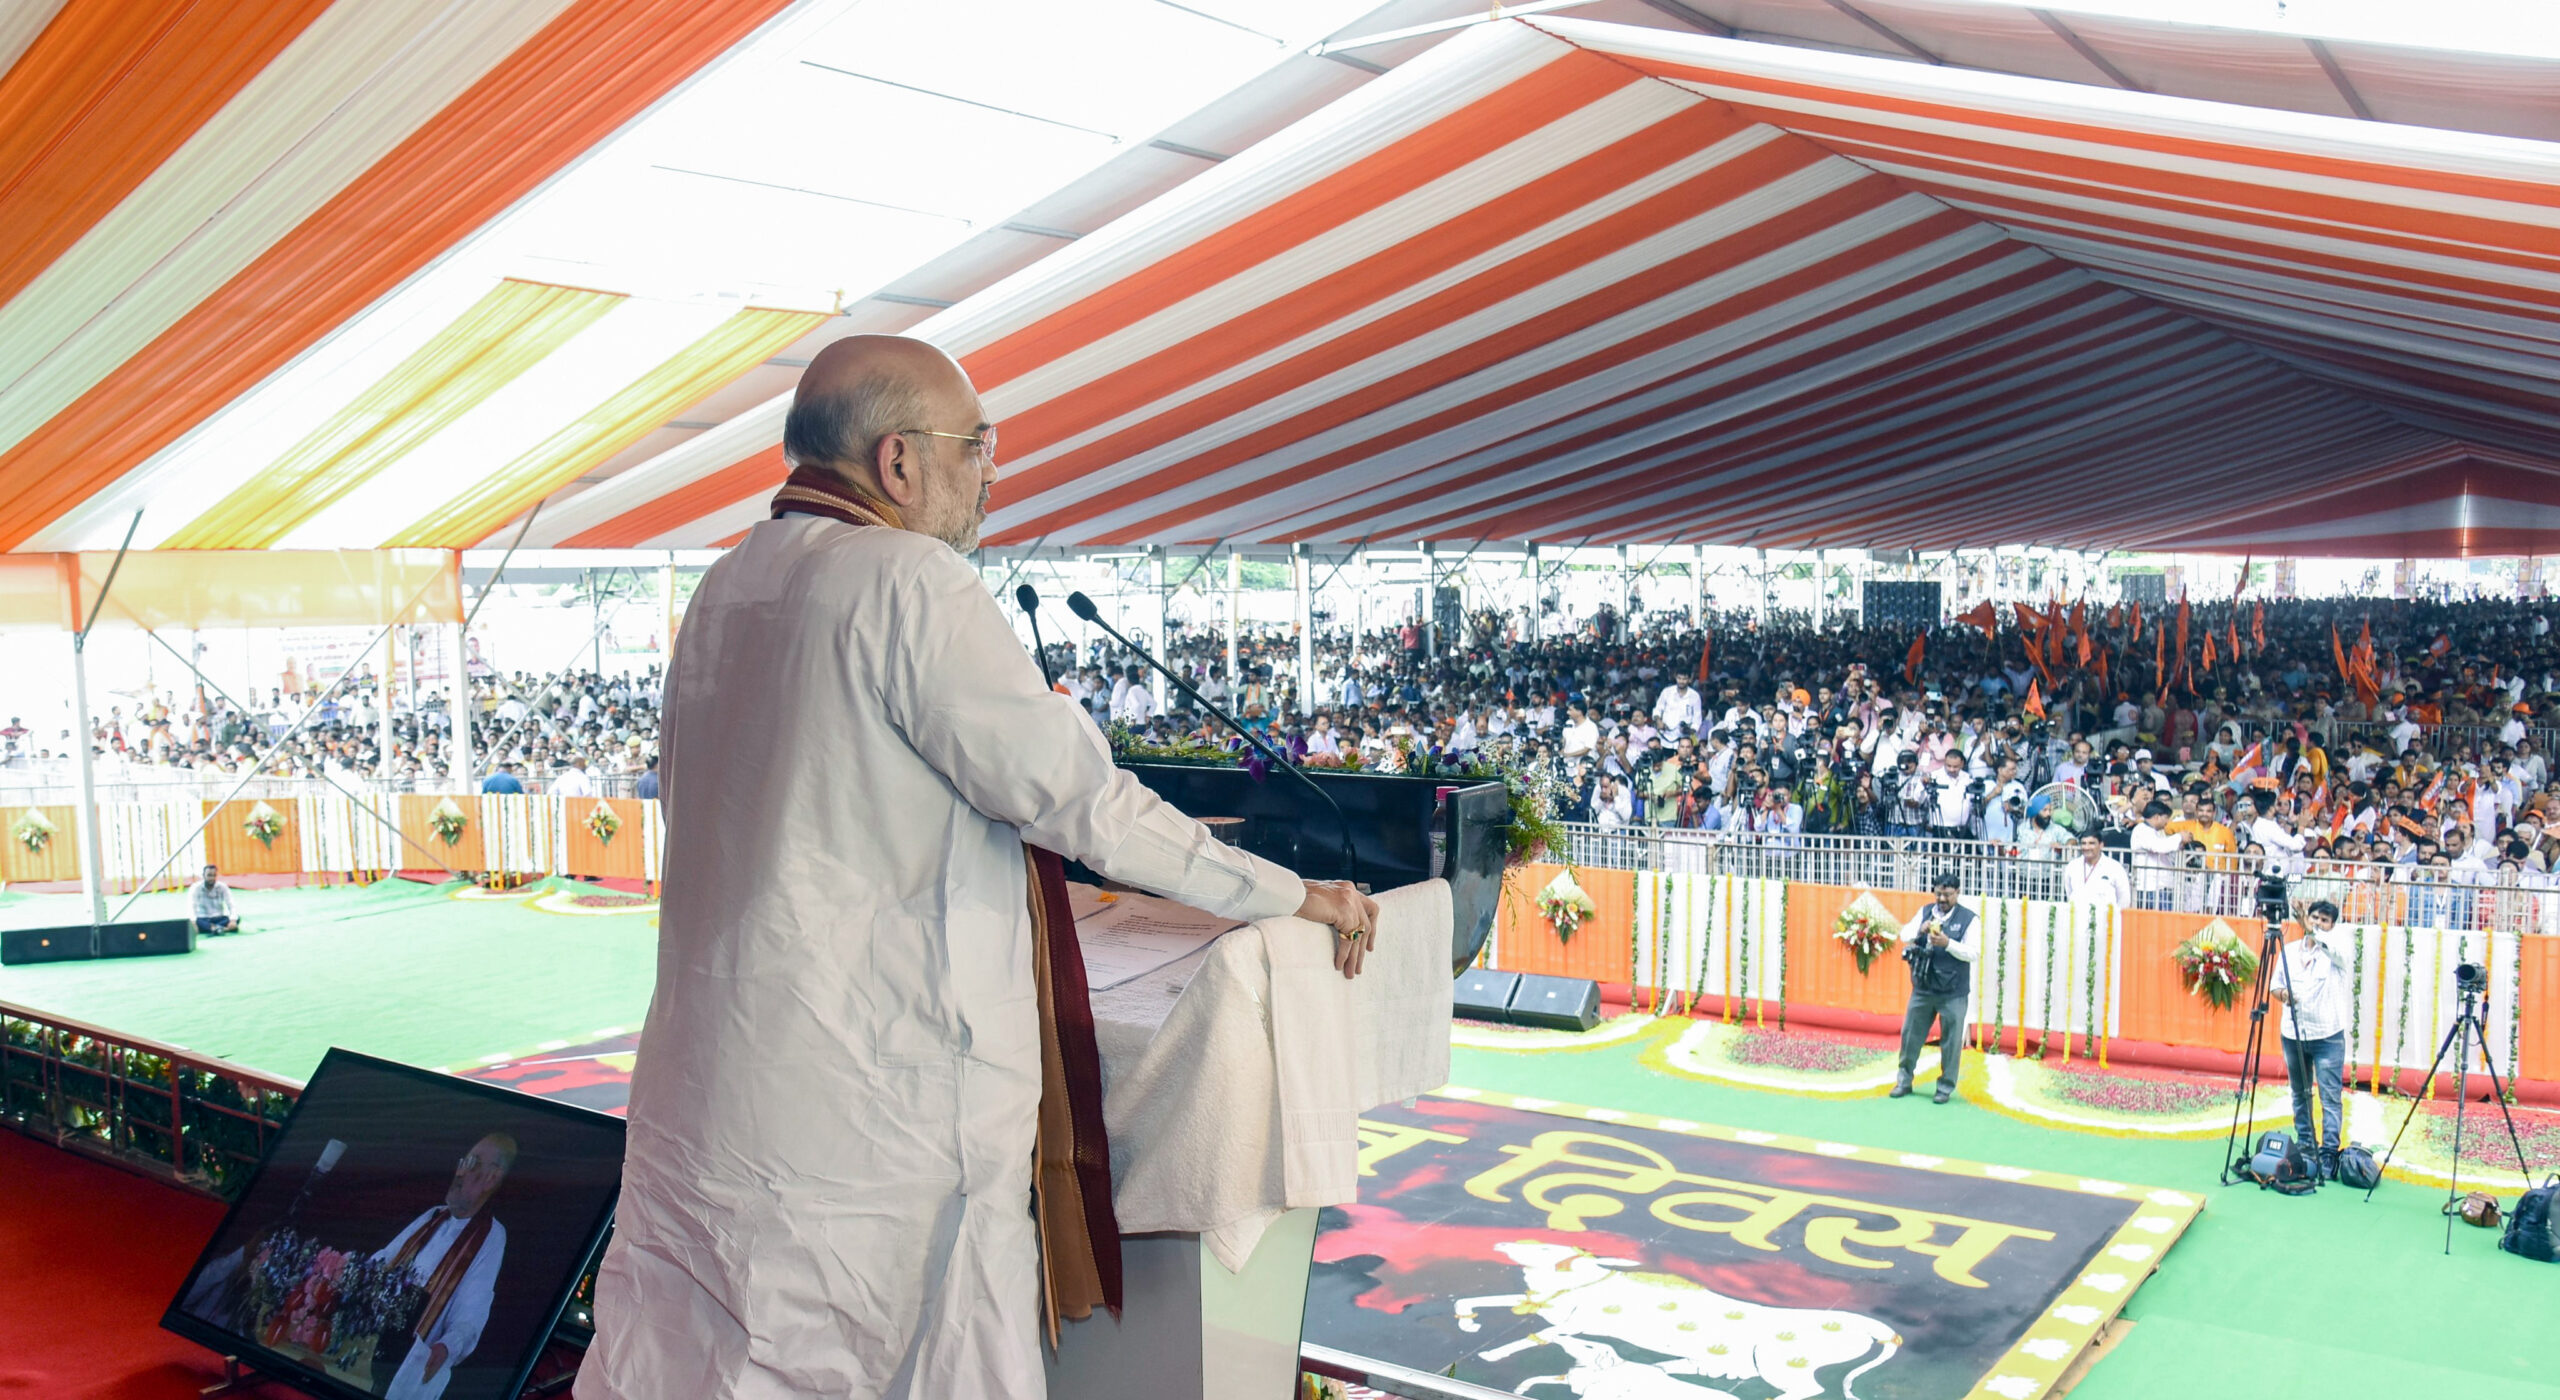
1534,7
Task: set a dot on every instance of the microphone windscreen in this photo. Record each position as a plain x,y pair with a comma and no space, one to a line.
329,1155
1083,607
1028,597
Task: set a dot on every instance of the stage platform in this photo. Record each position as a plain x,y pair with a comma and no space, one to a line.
2321,1297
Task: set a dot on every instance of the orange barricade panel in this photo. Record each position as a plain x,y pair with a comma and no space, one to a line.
587,853
2539,1054
60,858
1821,971
1602,949
2155,1004
417,823
228,844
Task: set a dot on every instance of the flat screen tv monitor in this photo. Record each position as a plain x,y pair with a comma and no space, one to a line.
409,1236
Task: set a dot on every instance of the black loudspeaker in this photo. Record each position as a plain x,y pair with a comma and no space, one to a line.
1903,606
78,943
147,938
1556,1003
1483,994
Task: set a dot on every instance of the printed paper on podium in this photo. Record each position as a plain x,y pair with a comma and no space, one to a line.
1127,935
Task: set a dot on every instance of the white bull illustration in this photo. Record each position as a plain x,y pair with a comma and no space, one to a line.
1580,1296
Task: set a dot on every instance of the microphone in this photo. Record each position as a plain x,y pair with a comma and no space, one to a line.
1029,600
1082,607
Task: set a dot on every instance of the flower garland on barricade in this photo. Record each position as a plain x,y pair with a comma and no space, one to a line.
1564,905
32,831
1786,893
1747,897
1865,935
602,822
1999,973
2044,1029
2515,1017
2355,1008
264,823
2214,964
2408,974
449,822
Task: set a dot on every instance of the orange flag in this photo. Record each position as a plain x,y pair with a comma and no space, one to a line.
2182,627
2258,625
2160,657
2034,703
1706,648
2137,620
1981,615
2338,650
1911,663
2244,581
2235,634
2035,655
2086,650
2208,651
2106,680
2027,619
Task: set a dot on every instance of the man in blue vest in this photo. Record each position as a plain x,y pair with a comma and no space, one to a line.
1940,945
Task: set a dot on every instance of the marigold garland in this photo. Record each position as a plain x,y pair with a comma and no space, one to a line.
2435,998
2355,1006
1742,901
1727,906
1999,976
1786,894
2408,974
1705,938
2044,1027
2515,1015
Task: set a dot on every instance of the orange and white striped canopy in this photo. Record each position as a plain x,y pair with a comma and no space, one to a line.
1590,282
1556,280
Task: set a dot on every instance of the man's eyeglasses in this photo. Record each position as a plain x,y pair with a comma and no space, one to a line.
981,444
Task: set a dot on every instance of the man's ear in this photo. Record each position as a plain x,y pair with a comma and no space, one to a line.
894,464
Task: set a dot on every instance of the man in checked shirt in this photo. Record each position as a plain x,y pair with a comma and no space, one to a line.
209,904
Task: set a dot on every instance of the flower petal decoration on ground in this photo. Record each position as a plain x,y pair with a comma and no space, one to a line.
2216,964
1564,904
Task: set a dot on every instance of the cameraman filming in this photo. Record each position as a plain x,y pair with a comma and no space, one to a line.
2311,987
1941,949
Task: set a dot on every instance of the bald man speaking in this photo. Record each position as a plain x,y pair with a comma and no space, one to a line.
828,1184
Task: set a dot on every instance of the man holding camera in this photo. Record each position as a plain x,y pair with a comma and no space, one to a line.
2311,987
1941,949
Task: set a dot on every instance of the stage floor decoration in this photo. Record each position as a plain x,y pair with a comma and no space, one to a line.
594,1075
1552,1250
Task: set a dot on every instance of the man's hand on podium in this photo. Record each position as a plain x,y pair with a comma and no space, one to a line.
1354,917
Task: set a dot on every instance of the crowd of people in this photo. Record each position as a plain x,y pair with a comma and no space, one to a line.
581,734
2197,767
2331,740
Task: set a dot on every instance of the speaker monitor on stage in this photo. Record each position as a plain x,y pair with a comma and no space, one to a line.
1556,1003
147,938
78,943
1483,994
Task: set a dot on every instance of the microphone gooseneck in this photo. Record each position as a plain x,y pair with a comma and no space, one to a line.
1083,607
1028,598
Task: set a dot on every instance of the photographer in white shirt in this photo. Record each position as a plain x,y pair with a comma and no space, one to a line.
2311,992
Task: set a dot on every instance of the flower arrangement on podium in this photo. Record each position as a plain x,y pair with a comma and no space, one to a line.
603,822
328,1303
1565,905
265,823
449,821
31,831
1865,932
2215,964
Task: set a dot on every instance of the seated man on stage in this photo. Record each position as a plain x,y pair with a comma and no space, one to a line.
209,902
827,1186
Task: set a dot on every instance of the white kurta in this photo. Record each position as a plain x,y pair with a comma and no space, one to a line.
827,1185
458,1328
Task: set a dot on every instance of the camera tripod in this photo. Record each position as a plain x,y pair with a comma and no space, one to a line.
2253,1055
2466,1032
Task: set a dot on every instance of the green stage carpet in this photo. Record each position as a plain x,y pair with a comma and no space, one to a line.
399,969
2264,1297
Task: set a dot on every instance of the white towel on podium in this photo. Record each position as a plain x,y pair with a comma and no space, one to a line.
1245,1101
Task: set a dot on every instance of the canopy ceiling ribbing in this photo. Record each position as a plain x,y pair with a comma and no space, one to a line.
1564,280
1582,282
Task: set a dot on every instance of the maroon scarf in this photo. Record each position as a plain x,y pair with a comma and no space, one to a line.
817,491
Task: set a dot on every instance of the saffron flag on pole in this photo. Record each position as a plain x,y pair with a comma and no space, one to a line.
2034,703
1706,648
1911,662
2137,620
2258,625
2208,652
1982,615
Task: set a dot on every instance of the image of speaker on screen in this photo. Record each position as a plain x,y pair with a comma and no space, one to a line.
408,1236
395,1321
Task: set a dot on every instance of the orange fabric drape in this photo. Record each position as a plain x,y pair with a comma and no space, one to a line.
107,92
599,64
